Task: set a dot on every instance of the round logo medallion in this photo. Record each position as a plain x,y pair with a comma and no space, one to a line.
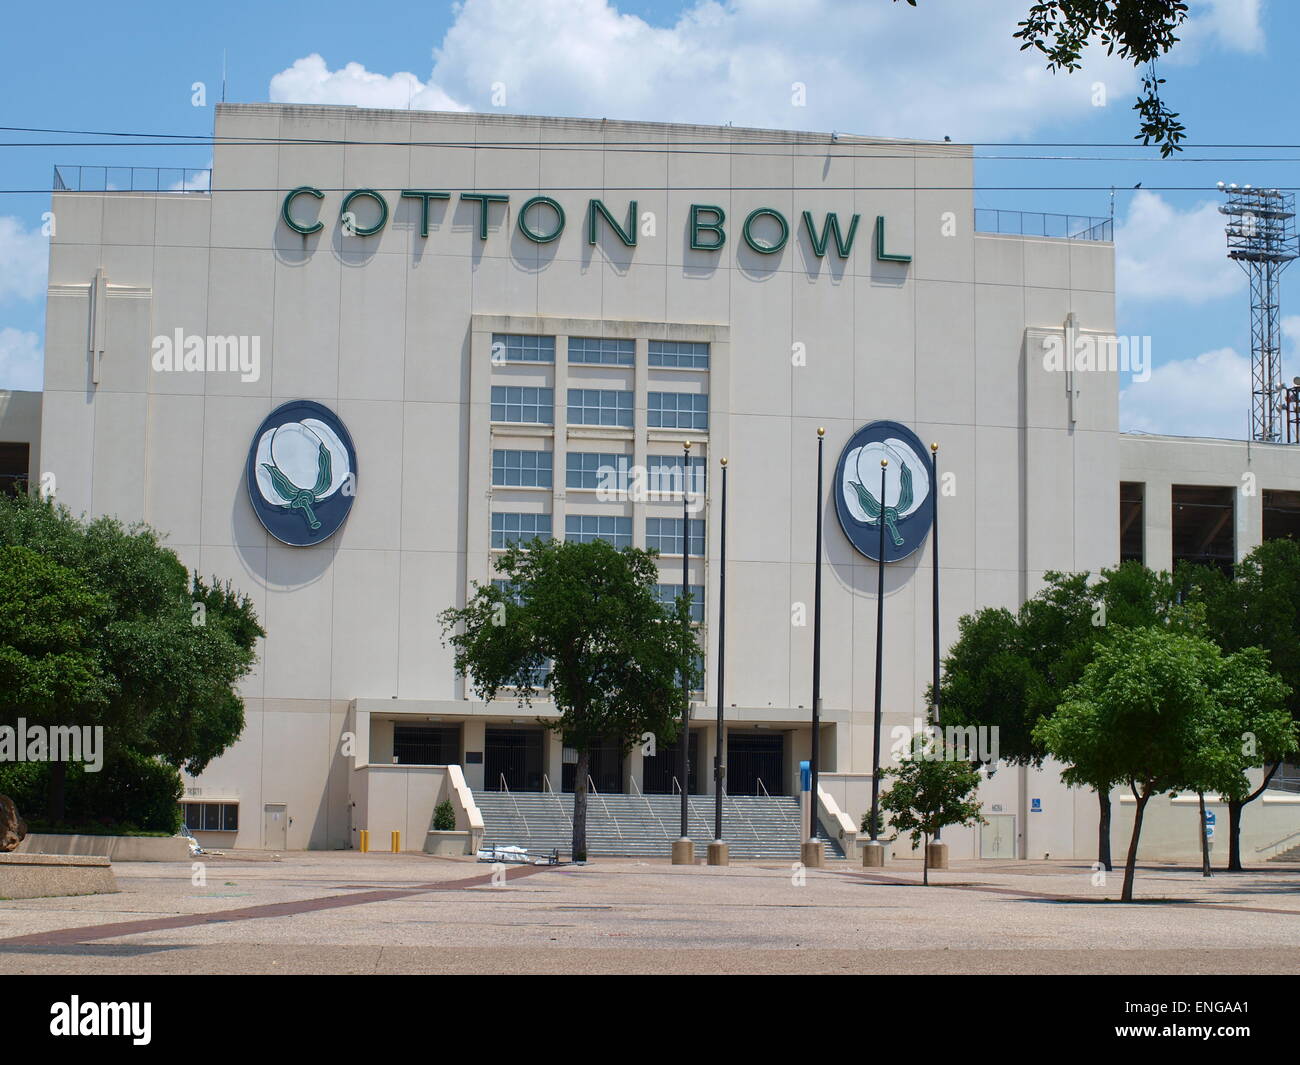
906,508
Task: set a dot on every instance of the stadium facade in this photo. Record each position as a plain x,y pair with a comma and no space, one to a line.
384,344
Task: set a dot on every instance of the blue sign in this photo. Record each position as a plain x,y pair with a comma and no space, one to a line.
907,509
1209,817
805,776
1035,806
302,473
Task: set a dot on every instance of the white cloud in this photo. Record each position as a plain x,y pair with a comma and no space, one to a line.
310,81
21,360
1164,254
24,260
1232,25
1208,395
947,67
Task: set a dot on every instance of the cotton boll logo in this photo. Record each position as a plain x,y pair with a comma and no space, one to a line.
906,508
302,473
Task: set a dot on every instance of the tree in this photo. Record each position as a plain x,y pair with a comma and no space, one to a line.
1140,31
170,647
1259,607
1010,671
616,655
1157,708
931,790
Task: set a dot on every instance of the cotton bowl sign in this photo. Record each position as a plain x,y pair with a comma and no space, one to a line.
302,473
906,509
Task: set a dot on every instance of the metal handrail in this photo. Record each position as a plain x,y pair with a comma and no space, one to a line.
650,807
515,803
761,786
559,799
1270,846
736,813
592,785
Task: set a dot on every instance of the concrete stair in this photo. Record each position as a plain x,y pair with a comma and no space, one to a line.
1291,854
644,825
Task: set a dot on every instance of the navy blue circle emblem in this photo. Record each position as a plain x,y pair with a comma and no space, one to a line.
302,473
907,507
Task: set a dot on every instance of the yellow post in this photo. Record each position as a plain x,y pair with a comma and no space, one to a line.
363,839
397,842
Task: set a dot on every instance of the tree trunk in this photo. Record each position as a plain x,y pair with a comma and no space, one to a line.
57,792
1235,808
1131,865
580,805
925,861
1103,830
1205,839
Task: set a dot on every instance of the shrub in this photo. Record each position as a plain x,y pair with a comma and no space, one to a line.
131,792
444,817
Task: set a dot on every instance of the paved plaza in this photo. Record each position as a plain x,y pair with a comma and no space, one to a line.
346,912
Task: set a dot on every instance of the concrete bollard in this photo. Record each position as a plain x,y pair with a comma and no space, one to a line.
683,852
936,855
811,853
873,855
719,853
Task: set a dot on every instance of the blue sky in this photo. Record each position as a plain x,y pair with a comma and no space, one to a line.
947,67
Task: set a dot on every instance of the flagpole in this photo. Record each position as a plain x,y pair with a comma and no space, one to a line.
934,558
880,660
685,760
817,647
719,773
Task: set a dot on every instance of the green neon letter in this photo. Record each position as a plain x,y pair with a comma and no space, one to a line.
698,227
424,196
881,254
287,215
766,249
383,211
627,236
533,235
831,227
484,198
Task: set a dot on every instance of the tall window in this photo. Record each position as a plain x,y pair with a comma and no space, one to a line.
583,528
602,351
509,528
597,469
1281,515
678,410
1131,499
665,535
521,469
681,354
512,403
508,347
1203,520
668,593
14,459
600,406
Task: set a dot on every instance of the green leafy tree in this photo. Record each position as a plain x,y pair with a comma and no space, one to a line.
588,611
1158,708
169,647
1140,31
930,793
1010,671
1258,607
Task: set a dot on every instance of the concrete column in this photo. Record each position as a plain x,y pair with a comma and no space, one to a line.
1157,525
474,736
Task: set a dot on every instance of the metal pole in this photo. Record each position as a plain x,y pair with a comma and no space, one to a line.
817,645
719,772
880,660
684,762
934,549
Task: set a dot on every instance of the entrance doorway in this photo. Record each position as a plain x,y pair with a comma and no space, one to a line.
664,767
605,768
755,763
516,755
275,826
998,837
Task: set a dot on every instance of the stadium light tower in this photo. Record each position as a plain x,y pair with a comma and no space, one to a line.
1262,238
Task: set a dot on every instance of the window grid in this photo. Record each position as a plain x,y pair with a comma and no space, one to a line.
212,816
511,347
509,528
665,535
514,403
664,474
602,351
584,528
679,354
600,406
668,594
592,469
678,410
521,469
